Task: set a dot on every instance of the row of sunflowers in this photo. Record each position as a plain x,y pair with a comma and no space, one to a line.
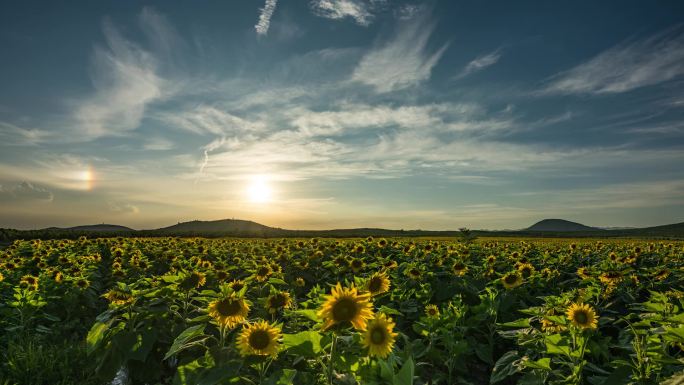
354,311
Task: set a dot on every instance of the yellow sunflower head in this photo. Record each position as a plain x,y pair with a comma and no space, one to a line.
432,311
118,296
611,277
229,311
278,301
378,283
82,283
193,280
346,305
379,336
583,273
263,272
459,268
29,282
237,285
259,338
526,269
512,280
582,316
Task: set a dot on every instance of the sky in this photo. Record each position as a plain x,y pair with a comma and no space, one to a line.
325,114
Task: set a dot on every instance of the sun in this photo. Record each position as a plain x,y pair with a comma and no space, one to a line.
259,190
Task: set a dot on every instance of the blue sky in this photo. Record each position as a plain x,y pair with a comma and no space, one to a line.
342,113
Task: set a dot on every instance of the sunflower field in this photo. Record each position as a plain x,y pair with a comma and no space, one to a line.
341,311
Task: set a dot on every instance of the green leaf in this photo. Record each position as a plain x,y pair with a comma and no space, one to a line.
521,323
390,311
544,364
619,376
307,343
307,313
185,340
95,336
276,281
282,377
507,365
556,344
143,344
405,375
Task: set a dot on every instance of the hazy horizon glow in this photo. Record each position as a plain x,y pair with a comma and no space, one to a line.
338,114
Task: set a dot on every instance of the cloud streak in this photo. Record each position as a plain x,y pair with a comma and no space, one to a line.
358,10
627,66
264,22
402,62
480,63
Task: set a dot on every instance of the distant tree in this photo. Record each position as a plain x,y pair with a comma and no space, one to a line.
466,235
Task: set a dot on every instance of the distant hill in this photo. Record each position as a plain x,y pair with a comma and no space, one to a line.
224,226
102,228
249,229
559,225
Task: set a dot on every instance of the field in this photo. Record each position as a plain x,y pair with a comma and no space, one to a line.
342,311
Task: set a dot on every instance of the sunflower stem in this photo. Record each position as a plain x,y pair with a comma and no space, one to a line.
332,358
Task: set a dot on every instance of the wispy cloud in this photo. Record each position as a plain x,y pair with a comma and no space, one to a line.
15,135
626,66
123,208
265,17
480,63
25,191
125,79
359,10
403,61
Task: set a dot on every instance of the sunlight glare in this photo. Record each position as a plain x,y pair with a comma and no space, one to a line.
259,190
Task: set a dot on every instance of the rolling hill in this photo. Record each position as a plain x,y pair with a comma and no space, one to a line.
559,225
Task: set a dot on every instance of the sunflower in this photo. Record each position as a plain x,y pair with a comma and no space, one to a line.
662,274
459,268
229,310
357,264
391,264
193,280
611,277
236,285
29,282
379,336
263,272
300,282
512,280
583,273
550,326
2,277
82,283
118,297
346,305
259,338
413,273
278,301
491,260
526,269
378,283
582,316
221,275
432,311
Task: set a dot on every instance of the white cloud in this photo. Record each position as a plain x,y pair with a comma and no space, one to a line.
159,144
125,79
209,119
123,208
626,66
25,191
480,63
265,17
359,10
13,134
402,62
